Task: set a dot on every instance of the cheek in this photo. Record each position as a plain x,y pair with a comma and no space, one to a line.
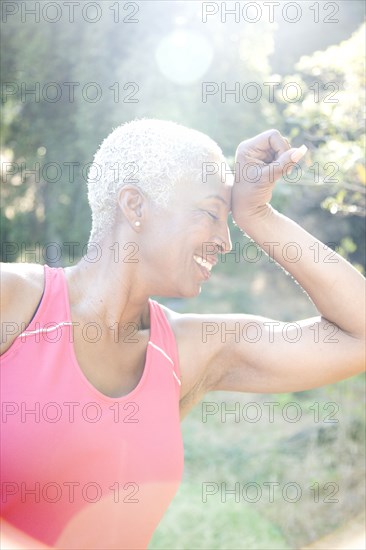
201,222
189,228
182,235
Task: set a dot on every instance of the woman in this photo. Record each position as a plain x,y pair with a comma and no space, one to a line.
96,375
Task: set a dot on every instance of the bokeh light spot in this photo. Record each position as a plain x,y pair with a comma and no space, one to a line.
184,56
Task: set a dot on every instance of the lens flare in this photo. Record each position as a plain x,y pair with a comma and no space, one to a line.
184,56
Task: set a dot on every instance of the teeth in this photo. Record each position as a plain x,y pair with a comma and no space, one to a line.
203,262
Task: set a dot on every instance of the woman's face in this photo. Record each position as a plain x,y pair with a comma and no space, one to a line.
183,242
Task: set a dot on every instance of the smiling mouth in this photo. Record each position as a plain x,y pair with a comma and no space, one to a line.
205,266
203,263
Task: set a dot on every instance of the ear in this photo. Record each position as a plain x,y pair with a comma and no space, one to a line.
132,205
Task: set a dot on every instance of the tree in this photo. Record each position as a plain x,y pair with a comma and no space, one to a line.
328,116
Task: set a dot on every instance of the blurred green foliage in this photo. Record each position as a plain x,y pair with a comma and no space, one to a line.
331,122
50,208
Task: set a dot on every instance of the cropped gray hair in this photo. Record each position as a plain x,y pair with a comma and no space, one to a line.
152,154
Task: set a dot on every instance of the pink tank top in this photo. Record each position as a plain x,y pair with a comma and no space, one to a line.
80,469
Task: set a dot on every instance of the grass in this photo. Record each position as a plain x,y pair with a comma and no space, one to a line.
310,453
191,523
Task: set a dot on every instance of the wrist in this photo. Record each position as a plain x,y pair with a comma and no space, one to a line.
251,222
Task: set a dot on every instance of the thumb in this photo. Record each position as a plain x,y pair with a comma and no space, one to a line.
290,157
297,153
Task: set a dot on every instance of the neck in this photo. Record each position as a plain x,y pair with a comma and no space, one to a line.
109,290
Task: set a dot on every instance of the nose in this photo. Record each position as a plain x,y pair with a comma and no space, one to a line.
223,240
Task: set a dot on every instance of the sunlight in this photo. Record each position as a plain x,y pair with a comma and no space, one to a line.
184,56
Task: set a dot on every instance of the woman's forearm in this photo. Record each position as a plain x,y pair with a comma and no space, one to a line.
336,288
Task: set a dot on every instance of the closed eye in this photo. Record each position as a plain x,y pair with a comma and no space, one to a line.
211,215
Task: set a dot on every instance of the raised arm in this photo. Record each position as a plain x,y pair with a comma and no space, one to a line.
335,287
249,353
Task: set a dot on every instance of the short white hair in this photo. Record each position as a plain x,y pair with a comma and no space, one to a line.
152,154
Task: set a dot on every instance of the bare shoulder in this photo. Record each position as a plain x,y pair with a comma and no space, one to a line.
21,291
196,354
20,281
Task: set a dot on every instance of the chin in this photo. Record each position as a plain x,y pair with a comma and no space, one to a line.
184,293
191,293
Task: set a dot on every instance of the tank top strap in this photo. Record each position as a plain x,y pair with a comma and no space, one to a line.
52,311
162,337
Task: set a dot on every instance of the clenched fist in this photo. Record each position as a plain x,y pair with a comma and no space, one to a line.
259,163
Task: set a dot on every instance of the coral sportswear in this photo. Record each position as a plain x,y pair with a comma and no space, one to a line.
80,469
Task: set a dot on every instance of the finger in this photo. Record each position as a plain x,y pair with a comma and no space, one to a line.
298,153
265,148
278,143
247,158
269,139
287,160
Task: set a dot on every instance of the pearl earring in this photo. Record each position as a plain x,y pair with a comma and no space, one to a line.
137,223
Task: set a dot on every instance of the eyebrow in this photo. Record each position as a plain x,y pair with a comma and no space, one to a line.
217,197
